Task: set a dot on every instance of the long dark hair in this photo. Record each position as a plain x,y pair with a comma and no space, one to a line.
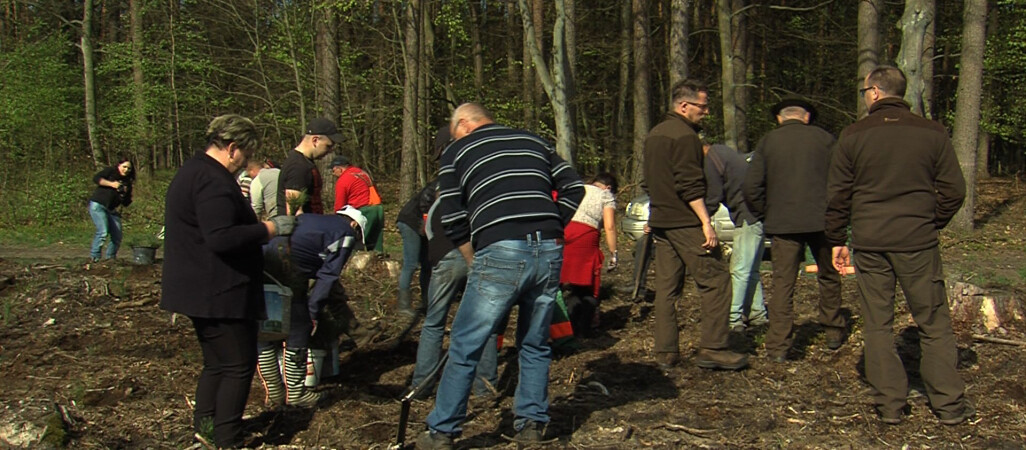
124,157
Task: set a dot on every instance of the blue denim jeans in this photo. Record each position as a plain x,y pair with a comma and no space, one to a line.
509,273
414,254
744,274
107,224
447,279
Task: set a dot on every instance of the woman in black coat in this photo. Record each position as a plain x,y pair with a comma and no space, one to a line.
213,272
113,189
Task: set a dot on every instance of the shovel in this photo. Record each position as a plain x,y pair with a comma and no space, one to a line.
412,393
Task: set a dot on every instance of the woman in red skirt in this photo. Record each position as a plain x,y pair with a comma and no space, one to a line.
582,257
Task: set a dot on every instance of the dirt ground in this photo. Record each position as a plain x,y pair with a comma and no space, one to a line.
87,360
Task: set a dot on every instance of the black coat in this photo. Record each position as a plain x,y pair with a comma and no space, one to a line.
213,264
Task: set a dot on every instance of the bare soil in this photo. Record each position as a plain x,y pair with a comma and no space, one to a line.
87,360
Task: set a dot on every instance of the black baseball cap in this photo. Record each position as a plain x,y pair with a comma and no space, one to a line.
322,126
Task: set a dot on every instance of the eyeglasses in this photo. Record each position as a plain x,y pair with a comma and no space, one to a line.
702,106
862,91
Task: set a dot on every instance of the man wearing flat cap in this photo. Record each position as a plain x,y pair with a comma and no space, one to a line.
785,187
299,174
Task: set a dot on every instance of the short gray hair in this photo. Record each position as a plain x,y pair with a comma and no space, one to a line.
229,128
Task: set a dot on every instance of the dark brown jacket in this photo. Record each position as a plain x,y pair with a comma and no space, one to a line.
673,172
213,264
895,179
785,185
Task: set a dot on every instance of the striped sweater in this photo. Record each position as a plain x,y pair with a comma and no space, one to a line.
497,183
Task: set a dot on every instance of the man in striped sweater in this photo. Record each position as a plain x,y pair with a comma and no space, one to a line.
496,199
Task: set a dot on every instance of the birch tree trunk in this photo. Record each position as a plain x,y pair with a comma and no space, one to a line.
642,94
868,44
914,25
967,110
89,81
558,83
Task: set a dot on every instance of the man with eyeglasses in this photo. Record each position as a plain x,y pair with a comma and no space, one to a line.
674,178
785,187
896,180
299,174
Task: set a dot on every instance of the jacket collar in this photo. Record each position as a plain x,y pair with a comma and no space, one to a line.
791,122
204,158
889,103
694,126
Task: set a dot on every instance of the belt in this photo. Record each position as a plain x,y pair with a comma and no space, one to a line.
539,236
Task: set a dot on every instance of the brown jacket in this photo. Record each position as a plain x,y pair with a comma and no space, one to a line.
785,185
673,172
895,178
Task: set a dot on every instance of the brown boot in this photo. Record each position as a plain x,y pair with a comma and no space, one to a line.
721,359
834,337
667,361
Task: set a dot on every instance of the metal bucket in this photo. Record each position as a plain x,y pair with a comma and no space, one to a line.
144,256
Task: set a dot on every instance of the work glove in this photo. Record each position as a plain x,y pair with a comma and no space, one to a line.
283,225
611,264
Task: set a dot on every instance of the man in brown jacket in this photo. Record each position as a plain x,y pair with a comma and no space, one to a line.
896,180
785,187
675,181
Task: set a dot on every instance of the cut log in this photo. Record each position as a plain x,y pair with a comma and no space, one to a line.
972,305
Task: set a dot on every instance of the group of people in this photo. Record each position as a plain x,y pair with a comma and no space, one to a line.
892,178
510,223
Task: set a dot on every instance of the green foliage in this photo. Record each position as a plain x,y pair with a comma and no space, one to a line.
1004,115
39,100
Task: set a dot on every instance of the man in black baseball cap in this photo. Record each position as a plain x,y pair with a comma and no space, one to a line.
299,174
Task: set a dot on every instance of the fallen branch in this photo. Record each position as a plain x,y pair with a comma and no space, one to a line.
136,303
692,431
994,340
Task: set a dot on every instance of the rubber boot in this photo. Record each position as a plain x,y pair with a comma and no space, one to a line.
405,303
295,380
270,376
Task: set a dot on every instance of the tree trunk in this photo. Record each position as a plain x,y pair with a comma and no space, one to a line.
327,91
983,156
679,40
625,68
427,44
642,94
89,81
725,13
868,43
914,25
527,77
929,48
411,45
558,83
141,148
967,109
511,58
741,64
476,49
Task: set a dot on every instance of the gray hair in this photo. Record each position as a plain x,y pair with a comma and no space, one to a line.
229,128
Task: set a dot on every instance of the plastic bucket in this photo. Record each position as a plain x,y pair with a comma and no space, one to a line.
144,256
278,301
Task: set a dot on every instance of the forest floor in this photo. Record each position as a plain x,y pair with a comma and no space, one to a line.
88,360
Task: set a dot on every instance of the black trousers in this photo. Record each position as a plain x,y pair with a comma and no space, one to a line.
229,359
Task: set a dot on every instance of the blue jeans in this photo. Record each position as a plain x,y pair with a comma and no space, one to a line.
107,224
509,273
447,279
744,274
414,254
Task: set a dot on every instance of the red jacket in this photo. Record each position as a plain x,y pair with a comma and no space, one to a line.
354,188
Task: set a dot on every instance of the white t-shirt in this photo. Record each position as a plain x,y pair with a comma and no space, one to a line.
595,200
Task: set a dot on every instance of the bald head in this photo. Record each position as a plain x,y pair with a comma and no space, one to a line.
467,118
793,113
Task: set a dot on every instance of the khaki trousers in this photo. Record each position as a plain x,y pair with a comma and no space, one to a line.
676,249
921,276
787,254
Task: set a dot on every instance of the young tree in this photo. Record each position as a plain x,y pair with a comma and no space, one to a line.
967,110
89,76
411,85
558,84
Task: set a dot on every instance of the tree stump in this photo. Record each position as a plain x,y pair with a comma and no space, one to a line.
974,306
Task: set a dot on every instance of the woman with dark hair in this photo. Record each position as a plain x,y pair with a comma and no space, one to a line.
113,189
213,272
582,257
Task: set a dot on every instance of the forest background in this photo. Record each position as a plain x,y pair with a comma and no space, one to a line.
85,80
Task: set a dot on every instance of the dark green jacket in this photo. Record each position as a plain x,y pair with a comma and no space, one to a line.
673,172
